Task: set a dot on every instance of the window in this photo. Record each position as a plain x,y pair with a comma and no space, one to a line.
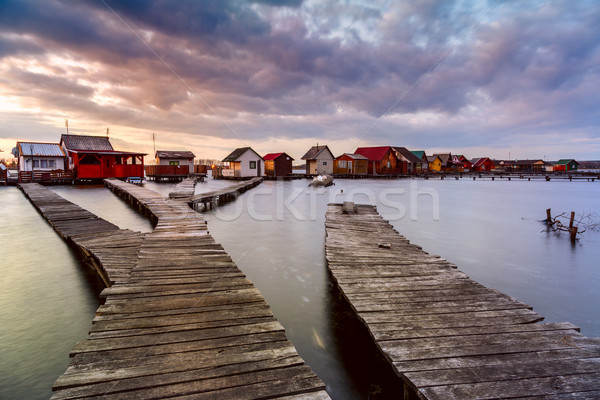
252,164
36,163
389,164
342,163
174,163
324,162
44,163
52,163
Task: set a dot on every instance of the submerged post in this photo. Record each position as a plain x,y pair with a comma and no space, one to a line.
548,216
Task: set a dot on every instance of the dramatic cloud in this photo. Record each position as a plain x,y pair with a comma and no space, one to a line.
468,77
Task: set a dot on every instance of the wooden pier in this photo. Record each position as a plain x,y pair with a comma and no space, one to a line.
445,335
185,189
184,322
111,251
219,197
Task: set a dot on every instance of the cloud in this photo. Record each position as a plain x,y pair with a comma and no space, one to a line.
427,72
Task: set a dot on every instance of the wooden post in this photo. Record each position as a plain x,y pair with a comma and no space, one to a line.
571,220
548,216
573,232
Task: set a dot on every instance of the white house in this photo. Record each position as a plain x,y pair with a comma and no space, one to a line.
39,159
319,160
244,162
175,158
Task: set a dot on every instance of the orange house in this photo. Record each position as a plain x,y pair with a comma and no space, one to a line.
354,164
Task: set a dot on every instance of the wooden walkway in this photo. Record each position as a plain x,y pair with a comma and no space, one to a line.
111,251
447,336
185,189
186,324
219,197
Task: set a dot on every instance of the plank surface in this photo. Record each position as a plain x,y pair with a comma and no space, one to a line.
447,336
179,320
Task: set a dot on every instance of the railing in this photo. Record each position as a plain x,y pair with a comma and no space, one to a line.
167,170
45,176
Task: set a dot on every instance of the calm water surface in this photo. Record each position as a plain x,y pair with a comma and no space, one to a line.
276,233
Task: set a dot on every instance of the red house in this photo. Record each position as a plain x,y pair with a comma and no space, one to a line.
93,157
483,164
462,163
382,160
278,164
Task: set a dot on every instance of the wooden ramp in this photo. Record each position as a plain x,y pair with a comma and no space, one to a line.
111,251
219,197
186,324
447,336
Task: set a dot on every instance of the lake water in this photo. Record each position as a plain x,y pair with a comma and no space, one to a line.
275,233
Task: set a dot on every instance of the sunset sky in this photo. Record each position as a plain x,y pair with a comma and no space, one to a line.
482,78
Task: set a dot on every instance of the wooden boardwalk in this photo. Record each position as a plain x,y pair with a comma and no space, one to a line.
185,189
219,197
447,336
111,251
186,324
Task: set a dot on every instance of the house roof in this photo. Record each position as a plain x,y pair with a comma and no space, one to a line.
432,158
30,149
183,154
408,154
479,161
354,156
273,156
82,142
445,157
314,151
237,153
373,153
565,161
419,154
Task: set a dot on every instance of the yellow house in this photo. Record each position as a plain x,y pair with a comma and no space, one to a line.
435,163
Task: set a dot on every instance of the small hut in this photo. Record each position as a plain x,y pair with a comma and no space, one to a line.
278,164
319,160
353,164
243,163
171,165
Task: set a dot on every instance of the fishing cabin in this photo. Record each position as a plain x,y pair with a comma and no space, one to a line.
420,154
382,160
409,163
483,164
41,162
278,164
566,165
93,157
353,164
435,163
171,165
319,160
243,163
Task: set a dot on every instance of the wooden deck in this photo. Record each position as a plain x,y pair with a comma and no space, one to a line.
219,197
111,251
186,324
447,336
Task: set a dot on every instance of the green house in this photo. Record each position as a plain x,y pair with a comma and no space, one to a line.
566,165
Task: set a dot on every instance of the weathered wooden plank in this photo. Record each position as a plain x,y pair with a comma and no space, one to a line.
447,336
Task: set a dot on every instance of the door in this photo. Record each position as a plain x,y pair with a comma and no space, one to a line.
349,167
108,167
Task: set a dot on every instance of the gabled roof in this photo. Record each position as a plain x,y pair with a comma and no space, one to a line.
237,153
445,157
314,151
30,149
408,154
183,154
273,156
373,153
565,161
82,142
479,161
433,157
354,156
419,154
